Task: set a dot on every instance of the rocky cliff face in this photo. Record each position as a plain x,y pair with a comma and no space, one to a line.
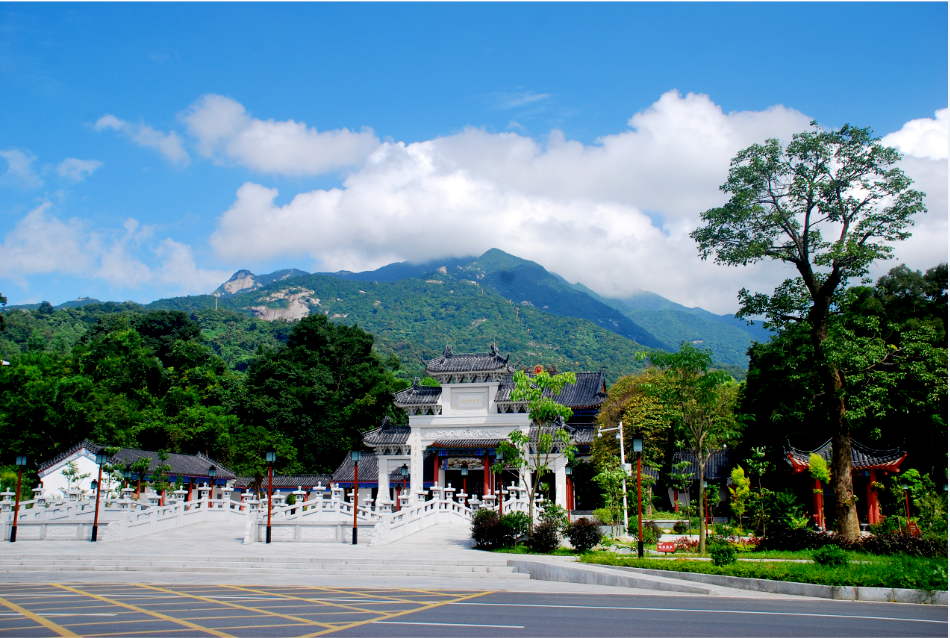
298,302
240,281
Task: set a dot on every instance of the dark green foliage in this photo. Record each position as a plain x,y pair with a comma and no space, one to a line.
321,390
554,513
722,552
545,538
793,540
584,534
488,532
903,572
830,556
891,544
679,527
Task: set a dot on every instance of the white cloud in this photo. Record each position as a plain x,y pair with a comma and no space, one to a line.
168,144
19,171
926,138
42,243
76,170
225,131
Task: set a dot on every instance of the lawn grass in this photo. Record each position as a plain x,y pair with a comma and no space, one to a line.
523,549
903,572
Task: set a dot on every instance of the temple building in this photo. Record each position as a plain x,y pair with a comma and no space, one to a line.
866,464
454,430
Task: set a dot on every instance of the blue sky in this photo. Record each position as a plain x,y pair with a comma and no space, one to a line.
153,149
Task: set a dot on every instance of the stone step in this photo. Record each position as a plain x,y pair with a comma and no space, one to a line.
316,573
488,560
144,564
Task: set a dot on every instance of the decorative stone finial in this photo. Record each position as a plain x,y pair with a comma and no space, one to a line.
448,351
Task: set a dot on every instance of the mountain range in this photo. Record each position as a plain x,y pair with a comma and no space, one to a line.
644,317
416,309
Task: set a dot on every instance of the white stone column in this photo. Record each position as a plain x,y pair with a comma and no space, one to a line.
382,478
415,465
560,481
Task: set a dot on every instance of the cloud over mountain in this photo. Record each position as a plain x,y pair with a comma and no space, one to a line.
614,214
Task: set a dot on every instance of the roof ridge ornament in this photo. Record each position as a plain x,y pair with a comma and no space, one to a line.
448,350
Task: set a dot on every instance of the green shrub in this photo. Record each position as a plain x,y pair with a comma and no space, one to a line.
831,556
554,513
291,499
679,527
487,531
722,552
651,531
545,538
517,525
584,534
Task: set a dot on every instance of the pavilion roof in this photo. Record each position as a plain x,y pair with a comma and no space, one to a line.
368,465
388,433
283,481
478,362
417,394
862,457
718,466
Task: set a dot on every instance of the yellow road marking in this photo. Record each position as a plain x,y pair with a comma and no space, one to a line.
305,621
308,600
397,614
374,596
185,623
62,631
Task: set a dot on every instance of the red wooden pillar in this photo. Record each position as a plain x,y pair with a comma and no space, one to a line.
486,486
819,505
874,509
435,471
676,501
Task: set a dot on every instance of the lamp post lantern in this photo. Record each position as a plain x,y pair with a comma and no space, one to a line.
101,458
623,464
271,459
638,450
356,455
20,462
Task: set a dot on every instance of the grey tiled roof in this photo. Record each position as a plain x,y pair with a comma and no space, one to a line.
368,470
387,434
862,457
287,480
718,466
418,394
191,465
587,393
449,362
462,444
195,465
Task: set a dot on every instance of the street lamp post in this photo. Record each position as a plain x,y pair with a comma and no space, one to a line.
570,492
20,462
638,449
623,464
465,479
271,459
906,489
404,470
212,472
356,455
101,458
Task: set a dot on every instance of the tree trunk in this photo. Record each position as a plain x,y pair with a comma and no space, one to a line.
846,510
702,514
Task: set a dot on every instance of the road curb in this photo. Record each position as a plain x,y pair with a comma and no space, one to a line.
587,576
868,594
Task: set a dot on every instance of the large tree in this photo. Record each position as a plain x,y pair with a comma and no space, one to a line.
703,403
830,203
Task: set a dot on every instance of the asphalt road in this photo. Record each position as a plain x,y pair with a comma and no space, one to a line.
283,612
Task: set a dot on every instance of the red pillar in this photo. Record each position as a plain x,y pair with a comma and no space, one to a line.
486,487
819,505
676,501
874,509
435,471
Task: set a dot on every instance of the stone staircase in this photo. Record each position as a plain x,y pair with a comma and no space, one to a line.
476,567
